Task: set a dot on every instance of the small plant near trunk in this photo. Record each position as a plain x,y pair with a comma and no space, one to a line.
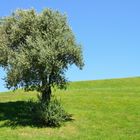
49,113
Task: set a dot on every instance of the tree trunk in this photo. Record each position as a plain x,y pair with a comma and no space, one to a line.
46,94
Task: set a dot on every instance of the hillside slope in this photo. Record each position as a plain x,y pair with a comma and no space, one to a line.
102,109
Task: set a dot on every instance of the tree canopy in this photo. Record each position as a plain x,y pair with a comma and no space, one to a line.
36,49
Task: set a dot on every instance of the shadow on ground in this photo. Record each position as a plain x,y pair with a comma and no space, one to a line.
17,113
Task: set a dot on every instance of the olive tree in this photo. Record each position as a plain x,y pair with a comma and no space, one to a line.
37,49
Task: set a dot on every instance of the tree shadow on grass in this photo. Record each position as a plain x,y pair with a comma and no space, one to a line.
18,113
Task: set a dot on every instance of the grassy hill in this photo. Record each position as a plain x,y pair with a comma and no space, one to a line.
102,110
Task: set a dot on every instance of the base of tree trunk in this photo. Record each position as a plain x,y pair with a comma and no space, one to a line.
46,94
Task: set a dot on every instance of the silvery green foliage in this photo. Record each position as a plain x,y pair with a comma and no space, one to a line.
37,49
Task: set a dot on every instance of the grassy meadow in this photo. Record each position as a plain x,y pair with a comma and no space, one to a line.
101,109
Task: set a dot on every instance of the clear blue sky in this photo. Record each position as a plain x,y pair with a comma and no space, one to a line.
109,31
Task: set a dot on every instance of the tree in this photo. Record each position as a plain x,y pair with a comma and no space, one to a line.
37,49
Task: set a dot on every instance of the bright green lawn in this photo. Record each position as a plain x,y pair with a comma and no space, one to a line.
102,110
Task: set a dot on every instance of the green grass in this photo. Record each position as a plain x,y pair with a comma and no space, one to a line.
102,110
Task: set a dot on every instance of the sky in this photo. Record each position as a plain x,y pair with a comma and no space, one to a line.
108,30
